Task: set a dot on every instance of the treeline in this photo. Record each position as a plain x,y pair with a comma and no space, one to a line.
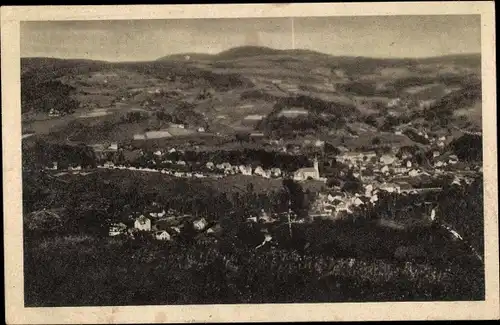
44,96
43,153
442,111
321,114
184,113
468,148
91,204
186,74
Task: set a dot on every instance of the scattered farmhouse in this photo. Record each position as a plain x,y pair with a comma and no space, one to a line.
142,223
162,235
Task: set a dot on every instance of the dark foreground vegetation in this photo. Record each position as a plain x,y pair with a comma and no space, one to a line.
70,261
83,271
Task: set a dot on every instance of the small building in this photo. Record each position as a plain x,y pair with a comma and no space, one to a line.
391,188
201,129
162,235
319,143
210,165
276,172
54,112
259,171
387,159
256,135
413,173
245,170
142,223
200,224
117,229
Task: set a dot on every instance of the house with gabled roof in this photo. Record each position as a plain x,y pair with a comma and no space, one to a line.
142,223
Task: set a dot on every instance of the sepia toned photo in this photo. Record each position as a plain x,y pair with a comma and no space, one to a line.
243,161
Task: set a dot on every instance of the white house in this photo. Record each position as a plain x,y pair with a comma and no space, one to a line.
357,202
400,170
157,153
266,174
142,223
453,159
387,159
162,235
200,224
245,170
394,102
210,165
319,143
391,188
259,171
201,129
413,173
438,164
117,229
276,172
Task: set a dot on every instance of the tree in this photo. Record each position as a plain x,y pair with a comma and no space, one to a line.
370,120
376,141
298,203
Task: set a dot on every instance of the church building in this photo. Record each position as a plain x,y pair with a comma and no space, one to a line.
303,174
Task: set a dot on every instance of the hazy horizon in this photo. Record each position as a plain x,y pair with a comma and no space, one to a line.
147,40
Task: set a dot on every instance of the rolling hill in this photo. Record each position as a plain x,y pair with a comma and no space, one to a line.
224,88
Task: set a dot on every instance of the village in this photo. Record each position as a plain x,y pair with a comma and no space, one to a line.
390,172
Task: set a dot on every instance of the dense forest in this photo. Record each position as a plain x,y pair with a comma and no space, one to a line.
44,96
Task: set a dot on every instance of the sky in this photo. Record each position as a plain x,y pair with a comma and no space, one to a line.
143,40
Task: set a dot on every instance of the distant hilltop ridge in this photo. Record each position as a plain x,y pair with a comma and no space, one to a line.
238,52
256,51
252,51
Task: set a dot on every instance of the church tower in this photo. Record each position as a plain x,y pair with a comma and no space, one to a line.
316,167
